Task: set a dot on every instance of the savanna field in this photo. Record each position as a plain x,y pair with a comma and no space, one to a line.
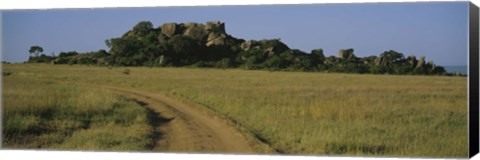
294,112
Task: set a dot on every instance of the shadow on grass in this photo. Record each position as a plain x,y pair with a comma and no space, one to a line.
156,120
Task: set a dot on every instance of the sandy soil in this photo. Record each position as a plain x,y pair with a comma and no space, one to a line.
182,126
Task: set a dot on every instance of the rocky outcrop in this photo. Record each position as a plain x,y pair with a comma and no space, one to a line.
161,60
210,34
378,61
216,35
381,61
162,38
431,65
216,39
345,53
213,34
195,31
169,29
421,62
208,45
273,47
412,61
247,45
269,47
215,26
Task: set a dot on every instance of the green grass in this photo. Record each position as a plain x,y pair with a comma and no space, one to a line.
38,113
309,113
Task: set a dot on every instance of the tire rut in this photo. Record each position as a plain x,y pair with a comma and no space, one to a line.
180,127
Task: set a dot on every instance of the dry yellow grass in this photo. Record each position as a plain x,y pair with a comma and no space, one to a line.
310,113
40,113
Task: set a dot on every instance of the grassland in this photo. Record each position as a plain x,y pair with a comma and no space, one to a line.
39,113
303,113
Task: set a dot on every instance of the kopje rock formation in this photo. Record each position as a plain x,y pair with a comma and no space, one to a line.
209,45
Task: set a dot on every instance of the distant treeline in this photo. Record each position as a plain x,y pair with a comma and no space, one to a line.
208,45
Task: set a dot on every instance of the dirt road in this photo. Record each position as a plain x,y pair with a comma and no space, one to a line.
182,126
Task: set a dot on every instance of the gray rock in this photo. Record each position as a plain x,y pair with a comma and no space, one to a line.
216,39
161,60
169,29
195,31
275,45
318,54
280,49
378,60
431,65
412,61
345,54
381,61
247,45
215,26
269,52
191,24
162,38
421,62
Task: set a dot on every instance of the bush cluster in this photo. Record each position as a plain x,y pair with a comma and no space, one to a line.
141,46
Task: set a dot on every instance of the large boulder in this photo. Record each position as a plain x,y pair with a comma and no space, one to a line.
412,61
431,65
421,62
275,45
381,61
161,60
191,24
195,31
378,61
269,47
216,39
318,54
215,26
269,52
247,45
162,38
345,53
169,29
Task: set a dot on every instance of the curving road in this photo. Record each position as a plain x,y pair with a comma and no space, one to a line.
185,127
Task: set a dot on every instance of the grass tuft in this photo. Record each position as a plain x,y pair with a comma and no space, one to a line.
295,112
41,114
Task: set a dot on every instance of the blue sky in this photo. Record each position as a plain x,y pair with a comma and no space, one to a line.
435,30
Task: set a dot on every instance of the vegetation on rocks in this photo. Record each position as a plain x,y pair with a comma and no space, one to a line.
208,45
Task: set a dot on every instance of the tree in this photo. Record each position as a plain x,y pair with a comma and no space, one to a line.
317,55
36,50
143,27
122,49
224,63
275,63
185,50
144,45
392,56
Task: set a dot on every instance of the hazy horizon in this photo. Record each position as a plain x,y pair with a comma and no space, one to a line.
433,29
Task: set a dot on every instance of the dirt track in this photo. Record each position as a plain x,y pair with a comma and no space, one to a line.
184,127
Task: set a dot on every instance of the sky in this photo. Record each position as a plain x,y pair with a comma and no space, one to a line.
438,31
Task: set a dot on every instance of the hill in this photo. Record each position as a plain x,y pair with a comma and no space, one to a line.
209,45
